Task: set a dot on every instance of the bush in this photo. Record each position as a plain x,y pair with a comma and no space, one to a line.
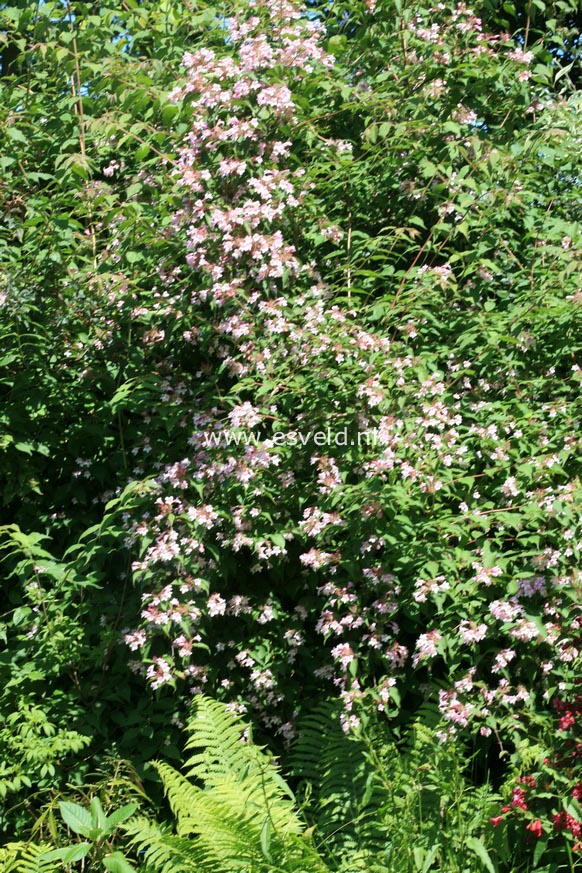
297,340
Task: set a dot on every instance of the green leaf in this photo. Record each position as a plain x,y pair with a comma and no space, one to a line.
68,854
539,850
563,72
76,817
121,814
29,448
266,831
477,846
98,817
430,858
16,134
133,190
20,615
572,807
117,863
142,152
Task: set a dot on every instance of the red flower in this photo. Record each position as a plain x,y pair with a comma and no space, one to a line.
496,820
518,799
564,821
535,827
530,781
566,721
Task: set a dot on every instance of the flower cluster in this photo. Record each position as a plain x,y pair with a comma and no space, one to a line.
548,803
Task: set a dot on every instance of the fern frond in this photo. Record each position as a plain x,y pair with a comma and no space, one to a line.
26,858
166,853
247,804
180,792
239,819
216,734
346,797
223,758
220,824
8,857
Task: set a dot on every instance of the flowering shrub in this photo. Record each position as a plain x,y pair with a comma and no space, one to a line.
311,424
446,551
545,804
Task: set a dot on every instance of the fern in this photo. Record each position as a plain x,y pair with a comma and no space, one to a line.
167,853
26,858
381,805
346,796
240,816
221,757
220,753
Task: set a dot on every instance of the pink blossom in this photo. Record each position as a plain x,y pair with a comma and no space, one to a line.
135,640
244,415
315,559
277,97
426,646
183,645
159,673
315,521
485,575
216,605
470,632
510,488
344,654
239,605
525,630
453,709
424,589
502,659
203,515
520,56
504,610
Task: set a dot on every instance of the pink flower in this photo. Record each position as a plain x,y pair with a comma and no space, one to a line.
566,721
520,56
564,821
216,605
504,611
278,97
502,659
184,646
471,632
159,673
315,559
135,640
244,415
426,646
344,654
518,799
204,515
